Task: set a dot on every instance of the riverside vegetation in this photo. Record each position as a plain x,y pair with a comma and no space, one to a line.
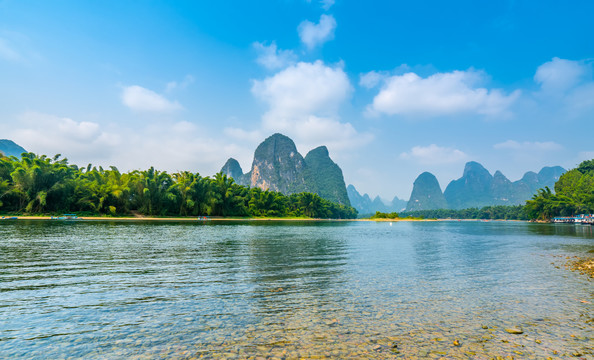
574,194
37,184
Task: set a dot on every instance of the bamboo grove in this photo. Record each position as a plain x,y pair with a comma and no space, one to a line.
41,185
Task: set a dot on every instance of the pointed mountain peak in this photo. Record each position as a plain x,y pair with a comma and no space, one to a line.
319,151
426,177
474,167
550,173
530,176
277,166
426,194
232,169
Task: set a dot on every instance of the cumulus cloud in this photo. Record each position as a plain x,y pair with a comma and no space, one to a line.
566,89
371,79
434,155
560,75
303,102
49,135
304,88
452,93
141,99
313,131
528,146
312,34
170,146
272,58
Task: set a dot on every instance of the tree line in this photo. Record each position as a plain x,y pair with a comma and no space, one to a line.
574,194
495,212
37,184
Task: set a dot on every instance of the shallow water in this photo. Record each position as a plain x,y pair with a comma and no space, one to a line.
293,290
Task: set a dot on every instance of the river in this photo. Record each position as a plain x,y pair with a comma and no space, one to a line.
272,289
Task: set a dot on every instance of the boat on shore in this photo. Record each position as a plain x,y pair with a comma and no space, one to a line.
66,217
583,219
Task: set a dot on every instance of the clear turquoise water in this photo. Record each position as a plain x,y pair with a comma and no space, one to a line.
293,289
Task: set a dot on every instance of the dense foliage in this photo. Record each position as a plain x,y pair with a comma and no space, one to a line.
382,215
497,212
41,185
574,194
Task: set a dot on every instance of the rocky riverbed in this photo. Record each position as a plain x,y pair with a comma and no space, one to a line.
584,266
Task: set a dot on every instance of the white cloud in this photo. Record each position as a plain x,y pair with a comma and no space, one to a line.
528,146
304,88
371,79
170,146
566,90
272,58
434,155
50,135
141,99
313,131
304,100
313,35
559,75
451,93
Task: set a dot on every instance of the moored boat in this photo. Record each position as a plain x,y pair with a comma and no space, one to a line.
66,217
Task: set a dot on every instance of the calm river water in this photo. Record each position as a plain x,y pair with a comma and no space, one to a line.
94,289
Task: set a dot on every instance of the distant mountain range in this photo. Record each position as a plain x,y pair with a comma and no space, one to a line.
478,188
9,148
366,206
278,166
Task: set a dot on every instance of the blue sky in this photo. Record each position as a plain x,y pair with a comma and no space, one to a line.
392,88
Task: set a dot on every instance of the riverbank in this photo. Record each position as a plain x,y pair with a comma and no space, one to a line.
199,218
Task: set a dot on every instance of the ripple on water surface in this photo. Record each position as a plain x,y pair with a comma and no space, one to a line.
293,290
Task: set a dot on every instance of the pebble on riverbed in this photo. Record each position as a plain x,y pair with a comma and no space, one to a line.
583,266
